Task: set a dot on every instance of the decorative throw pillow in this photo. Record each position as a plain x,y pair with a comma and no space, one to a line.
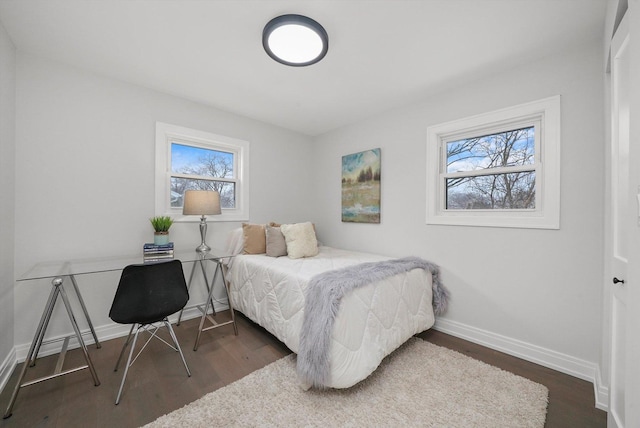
301,240
255,241
235,241
276,245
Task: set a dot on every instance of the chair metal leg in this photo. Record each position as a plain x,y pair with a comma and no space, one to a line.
126,369
175,341
124,347
139,327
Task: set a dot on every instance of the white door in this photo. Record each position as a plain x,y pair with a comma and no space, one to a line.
620,228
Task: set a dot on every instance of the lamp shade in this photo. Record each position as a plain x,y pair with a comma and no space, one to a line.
201,202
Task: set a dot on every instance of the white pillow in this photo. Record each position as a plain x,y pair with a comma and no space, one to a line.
301,240
235,241
235,244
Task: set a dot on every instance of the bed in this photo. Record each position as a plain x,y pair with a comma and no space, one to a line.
369,321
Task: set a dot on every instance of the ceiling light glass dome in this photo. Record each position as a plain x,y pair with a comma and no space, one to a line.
295,40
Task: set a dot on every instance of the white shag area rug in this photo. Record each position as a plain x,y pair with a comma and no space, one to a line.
420,384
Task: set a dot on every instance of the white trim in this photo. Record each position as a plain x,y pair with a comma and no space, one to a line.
53,345
547,212
601,392
563,363
164,133
545,357
7,367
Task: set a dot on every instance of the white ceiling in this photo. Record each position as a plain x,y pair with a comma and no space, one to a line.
382,53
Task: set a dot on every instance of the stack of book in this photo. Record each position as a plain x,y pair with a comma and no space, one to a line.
157,253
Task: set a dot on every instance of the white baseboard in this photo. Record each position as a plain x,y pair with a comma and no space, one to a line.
545,357
6,369
563,363
105,332
601,392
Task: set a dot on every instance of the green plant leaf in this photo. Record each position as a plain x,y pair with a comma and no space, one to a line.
161,223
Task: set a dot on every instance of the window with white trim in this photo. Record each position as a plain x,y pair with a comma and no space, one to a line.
499,169
188,159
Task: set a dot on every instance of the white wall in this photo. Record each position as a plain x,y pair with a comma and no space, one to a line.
7,152
84,149
535,292
85,178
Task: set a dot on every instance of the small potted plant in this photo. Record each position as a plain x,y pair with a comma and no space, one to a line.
161,225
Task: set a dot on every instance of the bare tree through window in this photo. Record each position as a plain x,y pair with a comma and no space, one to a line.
495,171
195,168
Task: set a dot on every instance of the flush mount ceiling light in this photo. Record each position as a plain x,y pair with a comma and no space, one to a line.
295,40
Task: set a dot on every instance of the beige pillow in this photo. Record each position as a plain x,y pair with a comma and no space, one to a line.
301,240
276,245
255,241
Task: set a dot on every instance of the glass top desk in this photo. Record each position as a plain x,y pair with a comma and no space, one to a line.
58,271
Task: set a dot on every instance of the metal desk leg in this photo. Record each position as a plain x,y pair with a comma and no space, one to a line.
206,308
204,312
31,360
46,324
39,332
84,309
87,358
57,288
193,269
206,281
226,287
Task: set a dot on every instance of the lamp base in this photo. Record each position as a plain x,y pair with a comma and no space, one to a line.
203,248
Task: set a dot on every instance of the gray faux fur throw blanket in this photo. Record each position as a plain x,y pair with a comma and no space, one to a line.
324,293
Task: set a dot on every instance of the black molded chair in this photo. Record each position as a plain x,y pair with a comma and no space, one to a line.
146,295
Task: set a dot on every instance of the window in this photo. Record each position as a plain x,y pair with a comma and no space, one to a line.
499,169
187,159
494,171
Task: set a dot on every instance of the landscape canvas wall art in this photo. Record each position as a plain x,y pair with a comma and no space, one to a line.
361,187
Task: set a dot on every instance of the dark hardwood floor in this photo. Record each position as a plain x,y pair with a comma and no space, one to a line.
157,383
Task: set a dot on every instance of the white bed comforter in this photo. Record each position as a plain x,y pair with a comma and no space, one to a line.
372,320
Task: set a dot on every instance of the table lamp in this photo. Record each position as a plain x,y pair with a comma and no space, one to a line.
201,202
